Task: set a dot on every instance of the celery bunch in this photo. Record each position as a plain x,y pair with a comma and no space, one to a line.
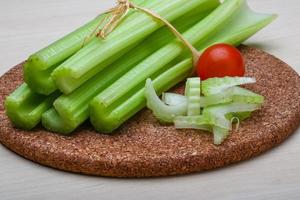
105,79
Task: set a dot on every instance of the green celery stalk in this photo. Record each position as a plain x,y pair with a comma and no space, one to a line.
25,107
107,112
100,53
73,108
39,66
54,123
107,119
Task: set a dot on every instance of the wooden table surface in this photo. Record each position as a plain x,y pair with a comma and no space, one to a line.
26,26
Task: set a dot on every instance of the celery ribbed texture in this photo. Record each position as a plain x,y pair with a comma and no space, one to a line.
100,53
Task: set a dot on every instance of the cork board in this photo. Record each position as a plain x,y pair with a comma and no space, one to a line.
144,148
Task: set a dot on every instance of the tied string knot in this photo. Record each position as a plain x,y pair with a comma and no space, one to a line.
116,15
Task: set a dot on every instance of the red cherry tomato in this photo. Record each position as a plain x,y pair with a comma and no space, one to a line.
220,60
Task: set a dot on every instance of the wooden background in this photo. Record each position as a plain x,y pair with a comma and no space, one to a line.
26,26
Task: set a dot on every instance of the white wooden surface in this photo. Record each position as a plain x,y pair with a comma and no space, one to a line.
26,26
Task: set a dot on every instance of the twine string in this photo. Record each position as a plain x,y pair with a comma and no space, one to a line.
117,14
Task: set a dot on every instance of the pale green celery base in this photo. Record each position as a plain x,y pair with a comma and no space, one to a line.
54,123
39,81
236,31
73,108
81,64
243,25
25,108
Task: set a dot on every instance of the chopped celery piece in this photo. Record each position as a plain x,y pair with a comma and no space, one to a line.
163,112
217,114
220,134
173,99
73,108
106,119
233,94
193,122
25,108
216,85
201,122
98,54
242,95
54,123
166,54
39,66
193,95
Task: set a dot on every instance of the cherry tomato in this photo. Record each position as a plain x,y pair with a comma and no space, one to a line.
220,60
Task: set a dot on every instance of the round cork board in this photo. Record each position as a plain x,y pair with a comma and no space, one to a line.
142,147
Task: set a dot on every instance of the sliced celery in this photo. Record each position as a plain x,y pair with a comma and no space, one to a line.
54,123
106,119
201,122
39,66
216,85
73,108
217,114
99,53
233,94
163,112
25,108
193,122
173,99
242,95
220,134
193,95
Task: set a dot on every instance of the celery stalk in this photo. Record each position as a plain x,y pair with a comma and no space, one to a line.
39,66
54,123
239,25
25,108
99,53
106,119
73,108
